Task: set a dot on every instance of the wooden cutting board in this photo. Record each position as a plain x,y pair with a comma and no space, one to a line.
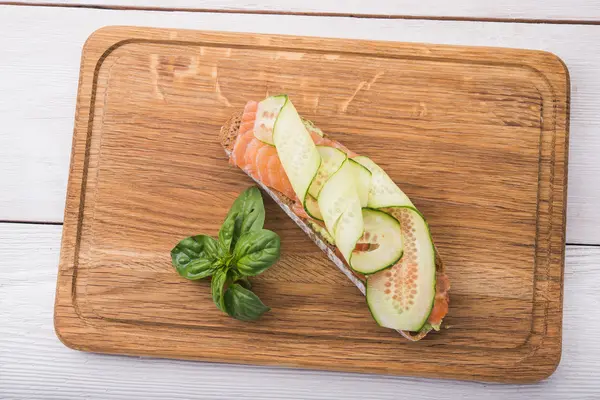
477,137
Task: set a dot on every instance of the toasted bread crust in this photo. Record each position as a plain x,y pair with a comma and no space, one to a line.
227,136
230,130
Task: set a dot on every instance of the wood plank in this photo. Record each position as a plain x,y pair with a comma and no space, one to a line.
580,10
146,148
38,113
34,364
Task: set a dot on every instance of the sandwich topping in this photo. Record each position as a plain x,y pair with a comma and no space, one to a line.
354,205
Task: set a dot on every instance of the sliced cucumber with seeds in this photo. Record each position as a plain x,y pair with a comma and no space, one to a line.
312,208
331,160
340,206
402,297
394,249
349,229
363,181
296,149
266,115
383,192
336,197
381,240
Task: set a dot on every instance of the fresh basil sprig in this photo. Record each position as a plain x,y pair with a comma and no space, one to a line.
244,249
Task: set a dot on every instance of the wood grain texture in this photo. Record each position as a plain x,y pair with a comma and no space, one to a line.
35,365
576,10
147,169
37,108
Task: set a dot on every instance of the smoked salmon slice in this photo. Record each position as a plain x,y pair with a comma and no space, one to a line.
260,160
440,305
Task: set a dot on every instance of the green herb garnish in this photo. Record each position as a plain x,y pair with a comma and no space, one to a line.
243,249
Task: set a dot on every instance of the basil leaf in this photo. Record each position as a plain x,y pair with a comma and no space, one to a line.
217,286
195,257
243,304
227,231
256,251
246,214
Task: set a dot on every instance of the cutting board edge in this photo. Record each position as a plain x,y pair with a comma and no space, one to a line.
99,46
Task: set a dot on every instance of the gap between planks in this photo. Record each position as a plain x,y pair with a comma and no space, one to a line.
16,222
302,13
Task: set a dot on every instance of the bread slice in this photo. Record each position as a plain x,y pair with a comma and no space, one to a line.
228,135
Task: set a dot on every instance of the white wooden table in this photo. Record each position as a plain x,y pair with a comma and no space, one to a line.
39,62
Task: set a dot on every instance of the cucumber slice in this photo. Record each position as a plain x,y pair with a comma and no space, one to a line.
312,208
383,234
296,149
340,206
363,181
310,127
336,195
383,192
266,115
402,297
331,160
349,229
322,231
